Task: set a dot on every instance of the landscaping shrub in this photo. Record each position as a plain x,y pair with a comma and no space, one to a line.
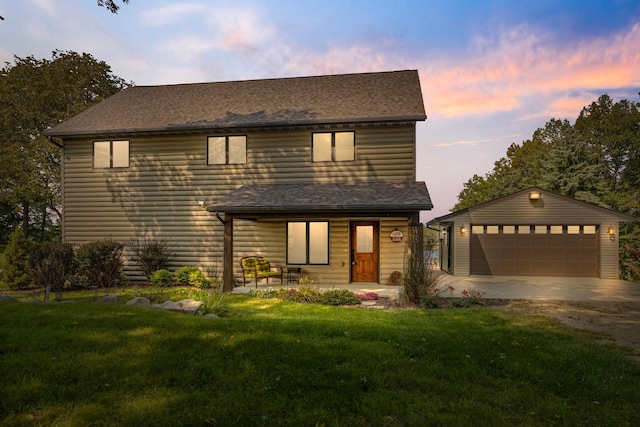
101,263
163,278
16,262
151,255
198,279
304,293
263,293
212,303
192,276
419,279
182,274
339,297
51,264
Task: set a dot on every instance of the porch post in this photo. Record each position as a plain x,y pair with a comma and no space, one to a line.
227,269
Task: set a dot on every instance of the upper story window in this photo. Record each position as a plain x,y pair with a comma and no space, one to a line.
227,150
110,154
333,146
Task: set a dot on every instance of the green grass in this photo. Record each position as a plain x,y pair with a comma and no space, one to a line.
276,363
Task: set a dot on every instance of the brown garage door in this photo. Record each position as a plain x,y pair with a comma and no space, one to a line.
523,250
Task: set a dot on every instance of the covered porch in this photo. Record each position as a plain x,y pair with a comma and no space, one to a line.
342,204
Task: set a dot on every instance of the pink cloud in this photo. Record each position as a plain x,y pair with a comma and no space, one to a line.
503,74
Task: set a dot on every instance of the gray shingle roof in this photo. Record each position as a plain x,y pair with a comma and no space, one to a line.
325,198
346,98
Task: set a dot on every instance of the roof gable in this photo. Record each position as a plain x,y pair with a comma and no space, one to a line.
553,203
346,98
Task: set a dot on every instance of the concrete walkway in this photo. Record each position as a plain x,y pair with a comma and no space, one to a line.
508,287
547,288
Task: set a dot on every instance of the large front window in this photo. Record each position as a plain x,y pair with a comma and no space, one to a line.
110,154
308,242
229,150
333,146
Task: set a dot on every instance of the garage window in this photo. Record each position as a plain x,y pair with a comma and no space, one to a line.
508,229
573,229
477,229
524,229
589,229
556,229
493,229
541,229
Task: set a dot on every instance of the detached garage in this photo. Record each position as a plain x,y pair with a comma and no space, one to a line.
531,233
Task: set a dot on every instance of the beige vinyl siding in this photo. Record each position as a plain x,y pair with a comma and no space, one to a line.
609,255
461,248
157,196
392,253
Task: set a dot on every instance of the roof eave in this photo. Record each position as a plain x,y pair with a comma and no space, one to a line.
315,209
203,126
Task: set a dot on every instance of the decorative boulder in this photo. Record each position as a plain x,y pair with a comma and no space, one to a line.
141,301
109,299
187,306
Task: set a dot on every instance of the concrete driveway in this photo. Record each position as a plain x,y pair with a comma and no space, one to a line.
547,288
508,287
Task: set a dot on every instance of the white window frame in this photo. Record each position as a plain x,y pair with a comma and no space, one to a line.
118,151
308,243
215,155
335,151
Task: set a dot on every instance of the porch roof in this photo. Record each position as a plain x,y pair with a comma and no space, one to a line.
282,199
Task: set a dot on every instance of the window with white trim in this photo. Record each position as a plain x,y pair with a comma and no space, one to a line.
227,150
308,242
333,146
110,154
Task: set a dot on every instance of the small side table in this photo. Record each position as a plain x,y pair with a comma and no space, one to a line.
293,275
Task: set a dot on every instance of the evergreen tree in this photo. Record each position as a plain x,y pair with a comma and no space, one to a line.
16,262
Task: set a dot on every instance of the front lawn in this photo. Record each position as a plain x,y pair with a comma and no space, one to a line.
277,363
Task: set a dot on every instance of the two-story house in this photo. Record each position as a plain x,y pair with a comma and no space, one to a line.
311,172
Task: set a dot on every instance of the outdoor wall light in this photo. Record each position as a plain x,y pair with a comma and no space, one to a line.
611,231
463,229
201,204
534,195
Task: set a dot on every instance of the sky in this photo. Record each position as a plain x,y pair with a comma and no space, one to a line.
491,71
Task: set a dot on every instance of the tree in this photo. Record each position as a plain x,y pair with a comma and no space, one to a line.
15,269
597,160
35,95
111,5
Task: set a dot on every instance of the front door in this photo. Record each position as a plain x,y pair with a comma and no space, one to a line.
364,251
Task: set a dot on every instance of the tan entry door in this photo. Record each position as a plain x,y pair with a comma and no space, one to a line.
364,251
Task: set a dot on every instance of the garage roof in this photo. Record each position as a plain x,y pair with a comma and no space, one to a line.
517,216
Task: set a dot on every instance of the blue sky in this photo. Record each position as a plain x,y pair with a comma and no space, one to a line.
492,72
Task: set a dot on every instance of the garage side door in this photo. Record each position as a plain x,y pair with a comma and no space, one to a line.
541,250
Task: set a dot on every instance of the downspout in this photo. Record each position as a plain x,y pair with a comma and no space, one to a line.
220,218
